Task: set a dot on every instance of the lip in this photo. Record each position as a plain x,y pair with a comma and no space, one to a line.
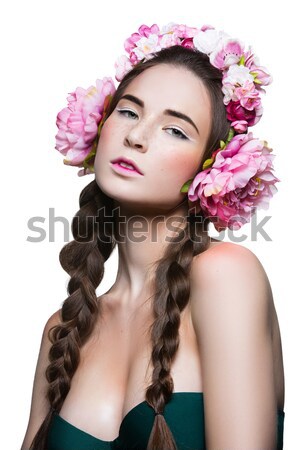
115,164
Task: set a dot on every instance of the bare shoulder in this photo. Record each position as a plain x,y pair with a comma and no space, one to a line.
229,276
39,403
225,259
53,320
231,305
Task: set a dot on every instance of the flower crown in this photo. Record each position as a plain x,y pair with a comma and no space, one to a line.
238,178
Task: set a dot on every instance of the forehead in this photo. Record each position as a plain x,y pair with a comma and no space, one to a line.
166,86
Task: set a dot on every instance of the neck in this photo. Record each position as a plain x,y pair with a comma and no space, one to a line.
142,236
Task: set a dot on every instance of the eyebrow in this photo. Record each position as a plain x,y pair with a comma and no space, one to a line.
169,112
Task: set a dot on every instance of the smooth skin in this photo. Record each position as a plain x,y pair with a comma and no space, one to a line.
230,346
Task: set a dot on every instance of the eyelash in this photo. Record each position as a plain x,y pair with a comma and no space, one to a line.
181,135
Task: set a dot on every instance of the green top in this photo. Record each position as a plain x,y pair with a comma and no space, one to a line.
184,414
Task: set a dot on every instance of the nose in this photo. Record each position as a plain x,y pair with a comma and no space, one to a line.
135,138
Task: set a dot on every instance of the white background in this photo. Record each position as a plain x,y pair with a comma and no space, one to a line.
47,50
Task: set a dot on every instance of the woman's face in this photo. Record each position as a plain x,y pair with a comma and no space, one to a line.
167,149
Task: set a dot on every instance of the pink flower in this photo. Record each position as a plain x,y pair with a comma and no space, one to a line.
261,75
187,42
235,111
182,31
130,43
228,52
240,181
78,122
248,96
133,41
242,97
250,59
143,31
240,126
207,27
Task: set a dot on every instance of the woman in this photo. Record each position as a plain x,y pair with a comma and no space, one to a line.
184,350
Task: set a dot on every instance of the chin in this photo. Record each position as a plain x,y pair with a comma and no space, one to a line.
105,190
113,191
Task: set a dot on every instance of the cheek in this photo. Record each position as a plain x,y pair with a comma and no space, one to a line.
174,170
106,136
106,145
181,167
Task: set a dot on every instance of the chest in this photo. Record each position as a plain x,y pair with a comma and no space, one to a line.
115,370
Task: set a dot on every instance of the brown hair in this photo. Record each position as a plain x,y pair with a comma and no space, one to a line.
84,258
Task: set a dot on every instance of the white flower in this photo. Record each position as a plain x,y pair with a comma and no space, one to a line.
147,45
168,40
228,91
169,27
122,66
207,41
237,75
251,59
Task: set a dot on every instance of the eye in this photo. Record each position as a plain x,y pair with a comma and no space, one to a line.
123,112
178,133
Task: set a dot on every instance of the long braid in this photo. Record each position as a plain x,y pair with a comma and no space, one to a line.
83,258
173,282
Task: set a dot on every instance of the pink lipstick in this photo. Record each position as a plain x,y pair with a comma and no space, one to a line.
126,166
